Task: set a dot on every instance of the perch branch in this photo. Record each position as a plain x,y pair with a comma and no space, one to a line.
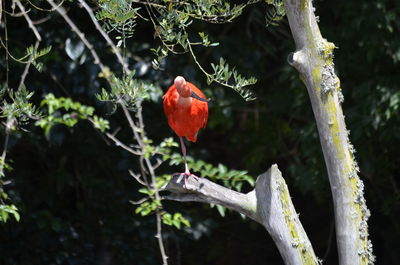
204,190
268,204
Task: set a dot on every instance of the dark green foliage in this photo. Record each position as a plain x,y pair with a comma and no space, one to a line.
15,112
31,56
118,16
17,107
74,112
127,89
275,13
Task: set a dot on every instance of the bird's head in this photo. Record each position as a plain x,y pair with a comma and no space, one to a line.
184,90
182,87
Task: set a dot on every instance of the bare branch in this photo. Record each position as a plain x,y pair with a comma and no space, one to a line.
27,66
28,19
105,36
142,200
45,10
63,13
204,190
137,177
121,144
146,166
269,204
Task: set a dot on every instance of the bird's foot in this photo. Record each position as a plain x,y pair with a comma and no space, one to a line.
185,175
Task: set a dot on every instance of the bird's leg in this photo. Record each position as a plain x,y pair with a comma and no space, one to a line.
183,148
187,172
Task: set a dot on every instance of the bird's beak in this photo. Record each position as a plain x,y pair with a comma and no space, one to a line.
194,95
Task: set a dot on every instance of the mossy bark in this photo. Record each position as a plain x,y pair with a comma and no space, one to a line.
313,59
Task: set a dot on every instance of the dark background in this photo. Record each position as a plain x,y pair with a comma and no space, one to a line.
73,190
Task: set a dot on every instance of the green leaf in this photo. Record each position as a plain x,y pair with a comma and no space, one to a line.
145,191
221,210
6,210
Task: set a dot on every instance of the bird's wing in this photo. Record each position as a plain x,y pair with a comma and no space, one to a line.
201,107
170,103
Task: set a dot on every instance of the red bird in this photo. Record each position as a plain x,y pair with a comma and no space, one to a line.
186,109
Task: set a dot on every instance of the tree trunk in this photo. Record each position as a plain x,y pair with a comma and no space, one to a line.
313,59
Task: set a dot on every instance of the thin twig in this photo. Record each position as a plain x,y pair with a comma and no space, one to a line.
105,36
157,194
46,10
142,200
80,34
139,135
9,124
38,38
121,144
159,237
27,66
158,163
137,177
28,19
170,47
6,45
132,124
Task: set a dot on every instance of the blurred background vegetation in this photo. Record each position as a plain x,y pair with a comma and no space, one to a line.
71,185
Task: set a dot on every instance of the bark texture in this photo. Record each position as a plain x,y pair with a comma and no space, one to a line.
313,59
268,204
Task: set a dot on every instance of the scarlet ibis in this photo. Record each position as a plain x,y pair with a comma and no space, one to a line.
186,109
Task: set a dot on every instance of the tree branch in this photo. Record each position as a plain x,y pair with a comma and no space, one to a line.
38,40
268,204
105,36
61,10
204,190
313,59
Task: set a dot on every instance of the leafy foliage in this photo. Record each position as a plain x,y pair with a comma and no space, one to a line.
16,107
118,16
31,56
128,90
175,219
222,74
75,111
275,13
15,112
6,210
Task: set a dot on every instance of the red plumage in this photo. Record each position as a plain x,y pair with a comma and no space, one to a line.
185,115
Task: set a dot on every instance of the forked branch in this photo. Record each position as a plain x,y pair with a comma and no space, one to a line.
268,204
